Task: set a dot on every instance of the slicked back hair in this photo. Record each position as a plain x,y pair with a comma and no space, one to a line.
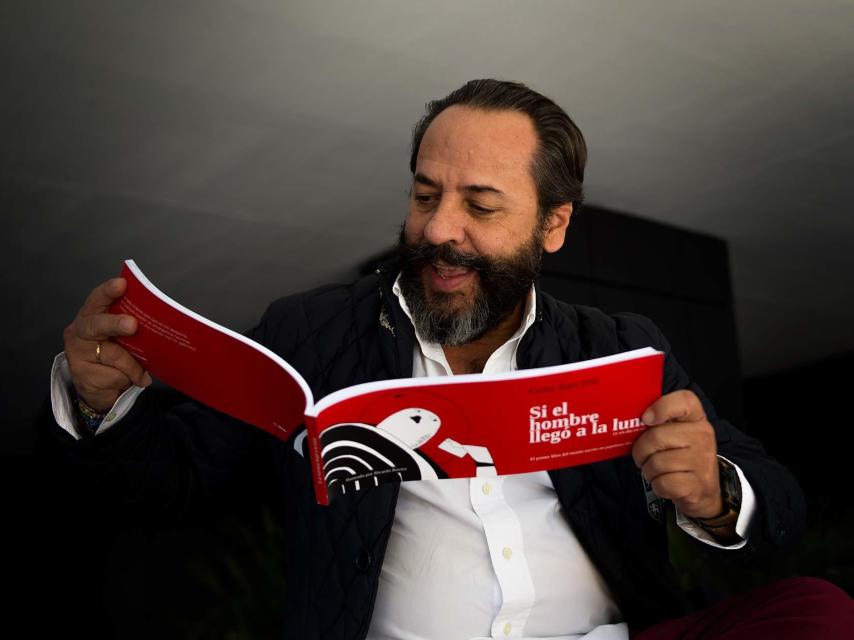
558,163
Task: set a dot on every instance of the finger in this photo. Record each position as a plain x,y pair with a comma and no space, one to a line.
102,326
680,486
109,354
102,296
680,406
670,461
661,438
114,355
697,436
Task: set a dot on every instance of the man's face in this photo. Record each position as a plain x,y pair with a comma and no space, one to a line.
472,242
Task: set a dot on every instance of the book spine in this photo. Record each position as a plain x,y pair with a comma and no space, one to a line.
320,489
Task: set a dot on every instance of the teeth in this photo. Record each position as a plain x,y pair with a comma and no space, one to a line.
449,272
447,269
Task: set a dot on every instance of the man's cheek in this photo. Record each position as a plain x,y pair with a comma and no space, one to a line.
412,231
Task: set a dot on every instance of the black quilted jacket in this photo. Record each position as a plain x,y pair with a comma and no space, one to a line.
179,459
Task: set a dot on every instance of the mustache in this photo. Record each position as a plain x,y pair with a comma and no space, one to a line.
425,253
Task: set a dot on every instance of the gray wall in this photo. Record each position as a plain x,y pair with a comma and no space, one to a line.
242,150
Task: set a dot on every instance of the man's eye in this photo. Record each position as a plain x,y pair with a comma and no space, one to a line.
482,210
423,198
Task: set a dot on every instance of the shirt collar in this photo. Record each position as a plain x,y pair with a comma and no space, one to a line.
430,348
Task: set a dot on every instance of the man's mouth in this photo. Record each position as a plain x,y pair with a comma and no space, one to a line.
447,278
447,272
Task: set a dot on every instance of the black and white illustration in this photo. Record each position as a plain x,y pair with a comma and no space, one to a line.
405,445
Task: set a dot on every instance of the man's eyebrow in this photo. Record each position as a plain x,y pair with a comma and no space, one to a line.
482,188
420,178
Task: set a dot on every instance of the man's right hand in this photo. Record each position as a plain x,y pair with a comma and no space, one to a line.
101,374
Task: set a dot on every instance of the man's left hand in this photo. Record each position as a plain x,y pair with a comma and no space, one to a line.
678,454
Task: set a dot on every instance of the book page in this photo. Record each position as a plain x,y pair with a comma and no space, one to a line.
208,362
480,425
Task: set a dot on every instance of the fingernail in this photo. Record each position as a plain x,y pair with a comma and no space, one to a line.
648,418
126,324
146,379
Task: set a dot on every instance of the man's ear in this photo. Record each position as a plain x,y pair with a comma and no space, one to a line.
556,225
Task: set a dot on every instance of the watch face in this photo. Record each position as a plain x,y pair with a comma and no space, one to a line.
654,504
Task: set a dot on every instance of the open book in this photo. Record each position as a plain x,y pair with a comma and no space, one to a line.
394,430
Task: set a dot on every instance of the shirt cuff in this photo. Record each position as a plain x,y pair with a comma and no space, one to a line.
742,524
62,402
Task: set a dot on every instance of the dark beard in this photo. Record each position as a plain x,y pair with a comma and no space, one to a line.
502,285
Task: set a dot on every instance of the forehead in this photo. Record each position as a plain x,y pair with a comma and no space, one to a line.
480,144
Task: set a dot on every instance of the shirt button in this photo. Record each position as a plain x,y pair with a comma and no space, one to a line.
507,552
486,488
507,629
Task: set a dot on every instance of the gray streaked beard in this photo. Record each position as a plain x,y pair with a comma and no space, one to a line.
503,284
448,328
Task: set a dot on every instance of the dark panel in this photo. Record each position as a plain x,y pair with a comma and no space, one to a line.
669,314
715,363
703,269
568,289
633,252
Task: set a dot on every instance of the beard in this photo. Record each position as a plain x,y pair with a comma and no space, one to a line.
447,318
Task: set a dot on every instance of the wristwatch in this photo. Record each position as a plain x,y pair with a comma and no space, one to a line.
731,496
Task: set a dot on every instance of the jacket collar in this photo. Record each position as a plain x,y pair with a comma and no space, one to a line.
393,320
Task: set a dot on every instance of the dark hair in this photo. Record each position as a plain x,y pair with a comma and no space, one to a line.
558,164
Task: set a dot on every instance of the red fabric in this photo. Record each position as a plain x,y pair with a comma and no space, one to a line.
796,608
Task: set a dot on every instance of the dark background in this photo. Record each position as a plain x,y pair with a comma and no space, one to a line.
239,151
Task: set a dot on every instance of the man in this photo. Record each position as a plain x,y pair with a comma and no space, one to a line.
497,175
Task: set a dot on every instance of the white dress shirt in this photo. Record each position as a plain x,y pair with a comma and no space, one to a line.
472,558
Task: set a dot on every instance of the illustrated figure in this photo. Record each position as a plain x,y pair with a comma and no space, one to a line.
397,446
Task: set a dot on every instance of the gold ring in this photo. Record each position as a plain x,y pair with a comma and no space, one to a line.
98,353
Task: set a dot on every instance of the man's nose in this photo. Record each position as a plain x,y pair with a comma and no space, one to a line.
447,224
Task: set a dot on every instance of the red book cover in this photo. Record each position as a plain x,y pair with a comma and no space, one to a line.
399,430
